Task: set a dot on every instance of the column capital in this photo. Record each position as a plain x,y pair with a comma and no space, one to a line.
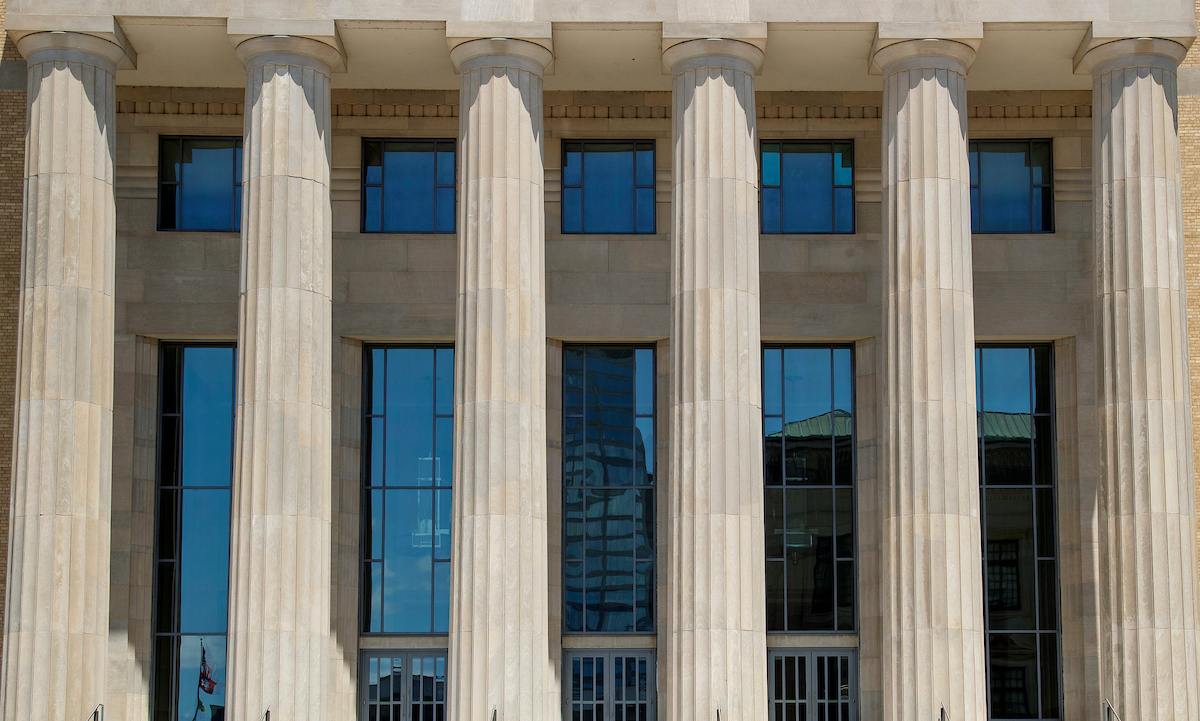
1107,32
97,35
1131,53
532,53
933,40
316,40
693,45
952,55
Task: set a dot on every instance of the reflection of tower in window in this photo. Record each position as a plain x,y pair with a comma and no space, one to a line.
429,471
1004,575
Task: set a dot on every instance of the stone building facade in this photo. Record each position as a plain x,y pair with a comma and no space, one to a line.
682,453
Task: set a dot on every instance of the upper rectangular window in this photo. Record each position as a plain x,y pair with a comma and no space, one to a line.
408,186
1015,395
1012,188
608,489
408,456
808,460
199,183
191,587
608,186
807,186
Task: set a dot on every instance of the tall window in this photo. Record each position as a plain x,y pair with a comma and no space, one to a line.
403,686
609,685
1012,188
1020,553
199,183
408,186
808,458
608,186
195,465
608,489
807,186
408,455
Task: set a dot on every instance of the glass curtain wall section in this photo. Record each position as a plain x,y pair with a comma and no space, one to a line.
608,186
195,468
808,459
1012,188
403,686
609,686
408,186
408,456
199,183
608,489
1020,550
807,186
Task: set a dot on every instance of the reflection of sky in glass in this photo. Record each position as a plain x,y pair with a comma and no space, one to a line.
207,190
806,382
207,416
1005,379
189,676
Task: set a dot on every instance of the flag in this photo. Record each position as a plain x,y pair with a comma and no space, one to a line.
207,685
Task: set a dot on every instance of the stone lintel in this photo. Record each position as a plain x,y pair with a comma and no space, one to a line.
1181,33
966,33
716,37
323,31
104,27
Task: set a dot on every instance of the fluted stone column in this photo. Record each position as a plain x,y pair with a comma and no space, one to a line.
279,618
1148,594
498,617
713,646
56,618
931,579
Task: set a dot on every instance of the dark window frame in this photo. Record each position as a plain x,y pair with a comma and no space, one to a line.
364,185
853,186
654,560
811,672
976,185
158,487
583,143
1036,485
364,562
234,214
405,704
610,655
833,486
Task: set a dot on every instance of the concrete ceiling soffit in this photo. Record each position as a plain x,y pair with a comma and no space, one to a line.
104,27
323,31
753,34
1100,33
967,33
460,32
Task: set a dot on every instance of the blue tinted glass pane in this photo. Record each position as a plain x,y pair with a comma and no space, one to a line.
973,163
445,210
408,187
573,524
610,385
445,164
843,199
207,416
770,164
207,187
644,452
609,561
843,164
377,443
645,598
574,464
375,624
645,210
807,180
842,379
407,569
444,457
573,595
645,381
608,182
807,383
409,416
189,691
1004,201
237,164
445,381
374,514
378,379
645,167
772,377
770,210
441,597
573,361
572,210
573,169
974,210
373,216
1005,380
204,561
442,523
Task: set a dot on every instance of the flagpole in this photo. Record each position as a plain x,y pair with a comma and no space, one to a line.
199,673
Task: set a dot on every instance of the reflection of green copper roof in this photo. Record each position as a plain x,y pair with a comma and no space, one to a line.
821,426
1012,426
